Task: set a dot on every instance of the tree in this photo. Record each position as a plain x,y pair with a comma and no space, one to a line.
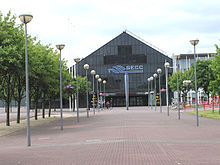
52,81
11,39
204,74
81,86
182,75
215,83
44,68
35,73
19,74
44,75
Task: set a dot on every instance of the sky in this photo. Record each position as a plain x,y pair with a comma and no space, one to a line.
86,25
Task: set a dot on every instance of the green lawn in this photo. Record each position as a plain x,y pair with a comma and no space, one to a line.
207,113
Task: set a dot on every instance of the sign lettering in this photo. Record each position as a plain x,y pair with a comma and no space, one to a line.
127,69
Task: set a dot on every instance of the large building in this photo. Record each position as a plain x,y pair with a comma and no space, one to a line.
185,61
126,53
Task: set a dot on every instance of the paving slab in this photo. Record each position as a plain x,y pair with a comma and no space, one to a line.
138,136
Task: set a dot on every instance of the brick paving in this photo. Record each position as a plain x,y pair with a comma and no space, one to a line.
140,136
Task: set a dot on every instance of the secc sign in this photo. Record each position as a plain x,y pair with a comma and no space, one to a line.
127,69
134,67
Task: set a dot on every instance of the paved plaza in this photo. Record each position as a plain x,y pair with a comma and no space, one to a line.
140,136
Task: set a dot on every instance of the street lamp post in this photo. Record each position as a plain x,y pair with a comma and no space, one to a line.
104,82
26,18
148,90
86,67
194,43
77,60
159,71
100,97
97,77
186,84
167,65
151,79
93,89
178,92
155,90
126,90
60,47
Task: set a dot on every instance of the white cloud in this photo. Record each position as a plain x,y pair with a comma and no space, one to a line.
85,25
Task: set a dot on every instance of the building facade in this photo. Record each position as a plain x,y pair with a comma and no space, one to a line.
126,54
185,61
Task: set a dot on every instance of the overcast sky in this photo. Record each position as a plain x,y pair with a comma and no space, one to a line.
85,25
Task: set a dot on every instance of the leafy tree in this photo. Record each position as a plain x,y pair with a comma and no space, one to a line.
35,74
19,74
11,39
66,78
204,74
182,75
215,83
44,68
44,75
52,81
81,86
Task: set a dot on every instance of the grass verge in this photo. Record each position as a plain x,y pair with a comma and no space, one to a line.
207,113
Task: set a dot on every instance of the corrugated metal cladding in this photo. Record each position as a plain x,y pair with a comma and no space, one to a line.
128,52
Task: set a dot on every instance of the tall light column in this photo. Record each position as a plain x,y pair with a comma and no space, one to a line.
97,104
194,43
159,71
86,67
93,89
104,82
155,90
148,91
152,92
126,90
178,92
26,18
167,65
77,60
186,84
60,47
100,97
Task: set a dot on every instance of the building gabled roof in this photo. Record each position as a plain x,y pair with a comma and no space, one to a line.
130,34
144,41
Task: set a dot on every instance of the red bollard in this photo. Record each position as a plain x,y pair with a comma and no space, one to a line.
204,106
